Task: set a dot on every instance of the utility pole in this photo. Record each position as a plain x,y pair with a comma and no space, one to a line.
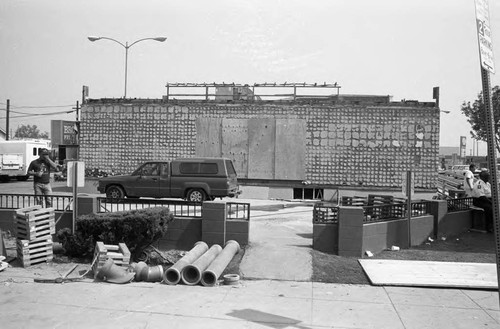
7,117
77,111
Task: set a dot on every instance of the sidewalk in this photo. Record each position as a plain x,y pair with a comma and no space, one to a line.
251,304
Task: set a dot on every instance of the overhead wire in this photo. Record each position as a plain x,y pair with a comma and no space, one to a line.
24,115
36,106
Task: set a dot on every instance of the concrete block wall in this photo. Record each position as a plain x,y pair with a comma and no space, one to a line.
238,230
182,234
382,235
455,223
325,238
350,233
345,144
213,224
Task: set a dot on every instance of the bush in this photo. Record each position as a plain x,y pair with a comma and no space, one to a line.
136,228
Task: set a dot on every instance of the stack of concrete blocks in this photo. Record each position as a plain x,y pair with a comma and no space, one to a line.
34,228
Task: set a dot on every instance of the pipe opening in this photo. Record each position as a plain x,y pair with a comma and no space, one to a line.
191,275
208,278
172,276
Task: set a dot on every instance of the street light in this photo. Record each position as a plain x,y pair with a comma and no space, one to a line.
126,46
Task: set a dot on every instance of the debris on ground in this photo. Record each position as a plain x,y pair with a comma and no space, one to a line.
369,253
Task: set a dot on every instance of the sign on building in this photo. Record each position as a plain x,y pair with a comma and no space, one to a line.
463,145
64,132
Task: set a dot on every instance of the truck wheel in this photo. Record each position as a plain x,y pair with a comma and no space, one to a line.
196,195
4,178
115,192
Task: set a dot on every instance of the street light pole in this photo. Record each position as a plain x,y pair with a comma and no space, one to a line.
126,46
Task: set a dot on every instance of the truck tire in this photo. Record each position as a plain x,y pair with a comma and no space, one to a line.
115,192
4,178
196,195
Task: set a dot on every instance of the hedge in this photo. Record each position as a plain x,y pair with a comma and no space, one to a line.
136,228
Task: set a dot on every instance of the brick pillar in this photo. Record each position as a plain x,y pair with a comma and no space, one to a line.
87,204
350,231
213,223
439,208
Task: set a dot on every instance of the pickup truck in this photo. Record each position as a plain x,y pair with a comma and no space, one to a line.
194,179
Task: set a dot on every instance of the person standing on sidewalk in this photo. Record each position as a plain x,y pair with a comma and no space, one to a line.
40,170
469,180
481,197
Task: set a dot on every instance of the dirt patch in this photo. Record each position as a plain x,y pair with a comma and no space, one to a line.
468,247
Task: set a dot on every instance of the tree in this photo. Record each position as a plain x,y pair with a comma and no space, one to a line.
476,116
30,131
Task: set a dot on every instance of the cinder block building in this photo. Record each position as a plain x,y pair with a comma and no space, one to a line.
288,144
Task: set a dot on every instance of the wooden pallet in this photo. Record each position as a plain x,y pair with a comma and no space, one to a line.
34,252
119,253
35,223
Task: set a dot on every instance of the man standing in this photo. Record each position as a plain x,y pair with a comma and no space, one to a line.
469,180
481,197
40,170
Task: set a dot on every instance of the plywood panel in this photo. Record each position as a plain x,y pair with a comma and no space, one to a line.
208,137
235,144
290,149
387,272
261,142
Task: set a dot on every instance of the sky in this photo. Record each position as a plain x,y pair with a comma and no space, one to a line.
384,47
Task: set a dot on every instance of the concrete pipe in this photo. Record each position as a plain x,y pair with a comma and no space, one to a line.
191,274
154,274
213,272
173,274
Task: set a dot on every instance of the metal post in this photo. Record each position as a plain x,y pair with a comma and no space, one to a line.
77,111
7,117
75,197
492,157
408,205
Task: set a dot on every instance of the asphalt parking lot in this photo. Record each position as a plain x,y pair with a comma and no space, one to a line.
58,187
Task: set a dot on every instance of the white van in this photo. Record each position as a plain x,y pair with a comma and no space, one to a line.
16,156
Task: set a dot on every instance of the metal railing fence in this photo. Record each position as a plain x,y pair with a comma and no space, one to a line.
460,204
178,208
238,211
17,201
328,213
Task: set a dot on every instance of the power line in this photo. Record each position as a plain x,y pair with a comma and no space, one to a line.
50,113
36,106
36,115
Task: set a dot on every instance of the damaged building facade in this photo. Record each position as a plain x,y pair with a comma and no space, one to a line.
325,142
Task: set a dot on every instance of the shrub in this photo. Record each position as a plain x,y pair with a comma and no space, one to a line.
136,228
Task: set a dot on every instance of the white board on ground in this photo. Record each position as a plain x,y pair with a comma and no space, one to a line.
385,272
